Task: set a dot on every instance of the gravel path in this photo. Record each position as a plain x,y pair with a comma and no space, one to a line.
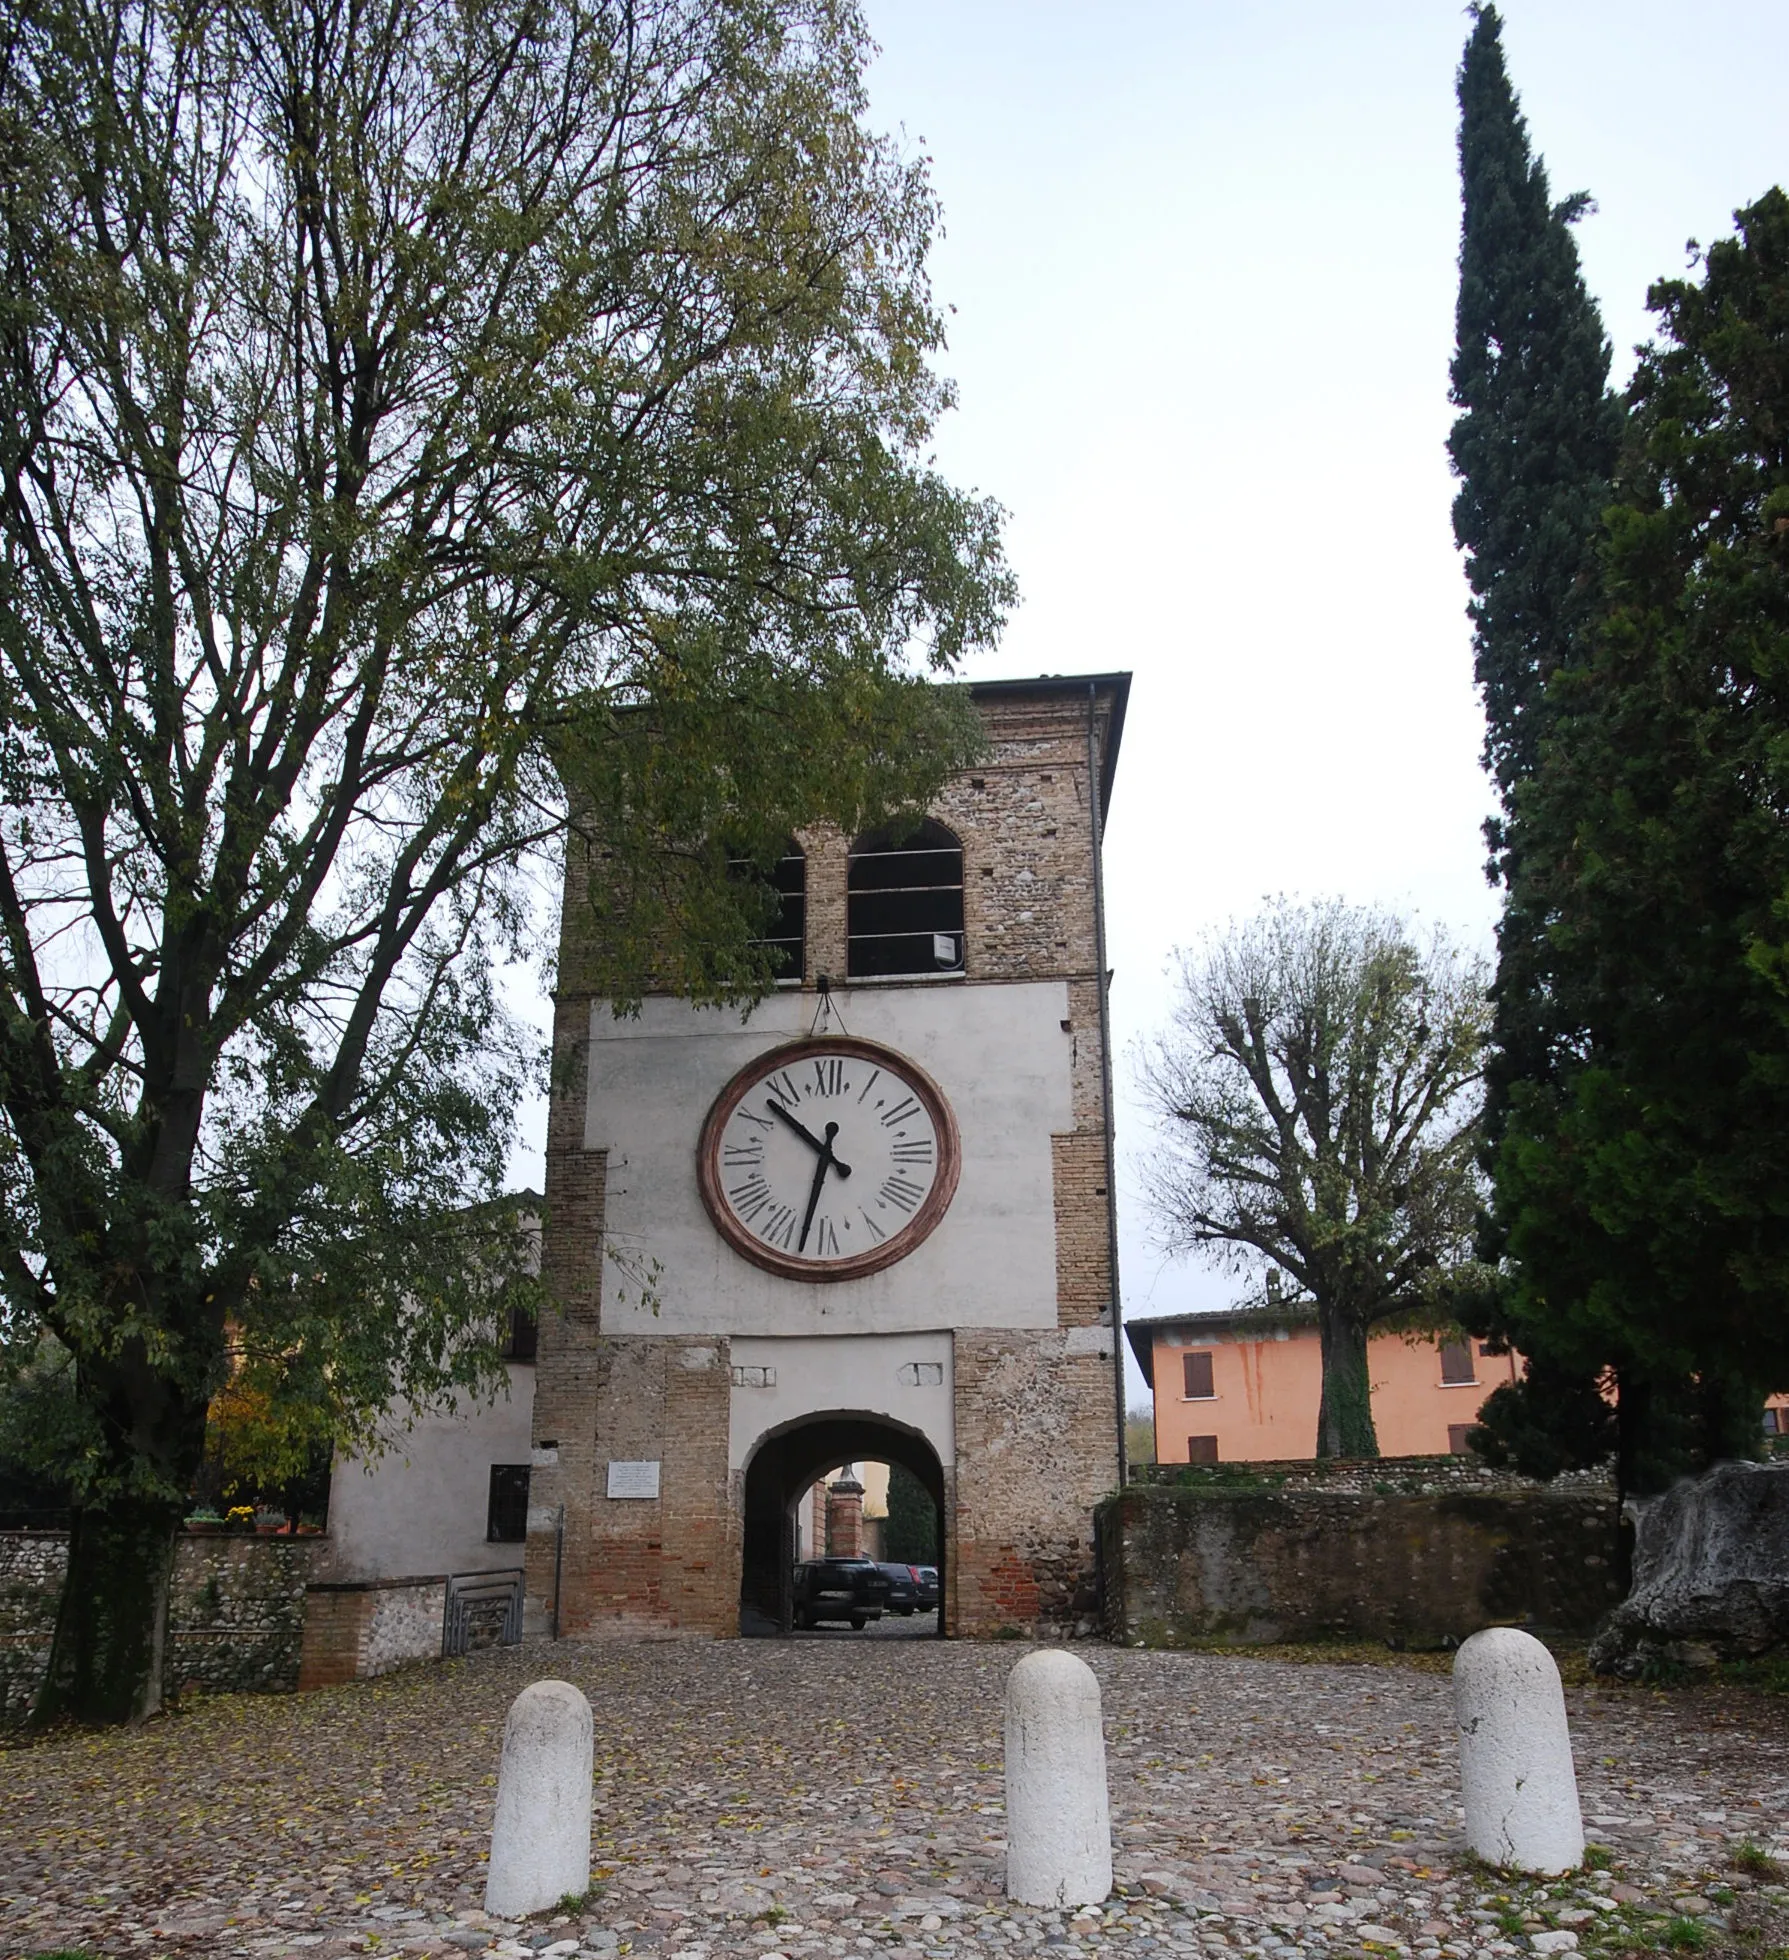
839,1796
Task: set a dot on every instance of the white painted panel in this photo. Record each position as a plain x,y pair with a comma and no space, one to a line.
1000,1055
422,1506
845,1375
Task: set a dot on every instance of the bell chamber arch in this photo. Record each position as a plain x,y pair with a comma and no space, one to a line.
904,902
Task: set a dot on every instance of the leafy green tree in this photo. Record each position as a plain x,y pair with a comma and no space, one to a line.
39,1435
1643,1174
408,415
910,1535
1317,1093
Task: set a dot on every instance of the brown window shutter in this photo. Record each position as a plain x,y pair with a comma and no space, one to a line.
1201,1449
1197,1364
1457,1445
1456,1362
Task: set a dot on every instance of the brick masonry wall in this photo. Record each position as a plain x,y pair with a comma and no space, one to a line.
630,1564
844,1523
699,1559
334,1635
1187,1564
235,1612
1035,1415
568,1361
353,1632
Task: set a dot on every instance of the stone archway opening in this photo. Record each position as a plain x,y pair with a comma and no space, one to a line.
784,1466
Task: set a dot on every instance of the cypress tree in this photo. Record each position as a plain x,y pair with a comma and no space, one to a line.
1535,442
1534,447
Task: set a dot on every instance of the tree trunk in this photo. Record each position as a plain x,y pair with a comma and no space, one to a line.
1345,1414
111,1628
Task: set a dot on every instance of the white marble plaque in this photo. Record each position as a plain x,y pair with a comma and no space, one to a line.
633,1479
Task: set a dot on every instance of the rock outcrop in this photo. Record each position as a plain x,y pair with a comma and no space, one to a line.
1711,1574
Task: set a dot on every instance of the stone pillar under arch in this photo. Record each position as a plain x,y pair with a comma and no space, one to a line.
844,1516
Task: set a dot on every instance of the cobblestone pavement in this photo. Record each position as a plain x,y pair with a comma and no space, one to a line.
842,1796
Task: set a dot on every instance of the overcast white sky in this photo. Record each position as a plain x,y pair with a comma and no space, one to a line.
1202,261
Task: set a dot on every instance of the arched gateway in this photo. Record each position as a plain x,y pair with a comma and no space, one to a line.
881,1202
783,1467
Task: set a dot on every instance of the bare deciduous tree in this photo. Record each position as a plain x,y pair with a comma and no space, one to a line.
1317,1090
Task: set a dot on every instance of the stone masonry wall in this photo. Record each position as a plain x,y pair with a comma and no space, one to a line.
31,1567
1036,1450
1189,1564
235,1614
236,1618
404,1625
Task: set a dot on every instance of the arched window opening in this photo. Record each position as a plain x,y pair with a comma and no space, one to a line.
787,879
905,903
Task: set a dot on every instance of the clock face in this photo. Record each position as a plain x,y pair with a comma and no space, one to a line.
828,1159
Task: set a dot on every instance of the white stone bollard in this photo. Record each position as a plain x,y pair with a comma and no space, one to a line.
540,1842
1058,1829
1516,1754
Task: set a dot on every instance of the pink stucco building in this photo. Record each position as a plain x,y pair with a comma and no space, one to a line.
1231,1388
1244,1388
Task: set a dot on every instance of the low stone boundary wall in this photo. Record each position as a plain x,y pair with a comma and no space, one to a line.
1196,1562
356,1629
31,1567
235,1617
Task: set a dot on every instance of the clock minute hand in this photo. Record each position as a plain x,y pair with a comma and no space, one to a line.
828,1162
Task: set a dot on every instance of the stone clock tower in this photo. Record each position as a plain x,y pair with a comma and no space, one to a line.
869,1222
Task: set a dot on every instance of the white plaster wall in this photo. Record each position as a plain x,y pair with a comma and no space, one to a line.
1000,1055
422,1506
849,1375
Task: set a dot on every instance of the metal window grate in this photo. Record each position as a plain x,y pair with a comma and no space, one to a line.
786,939
904,898
484,1609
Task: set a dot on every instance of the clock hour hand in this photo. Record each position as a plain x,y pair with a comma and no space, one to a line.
801,1129
828,1162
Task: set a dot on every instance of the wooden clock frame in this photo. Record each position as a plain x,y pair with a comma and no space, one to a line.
898,1244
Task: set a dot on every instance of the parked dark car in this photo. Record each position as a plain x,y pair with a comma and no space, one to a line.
913,1588
853,1589
903,1588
